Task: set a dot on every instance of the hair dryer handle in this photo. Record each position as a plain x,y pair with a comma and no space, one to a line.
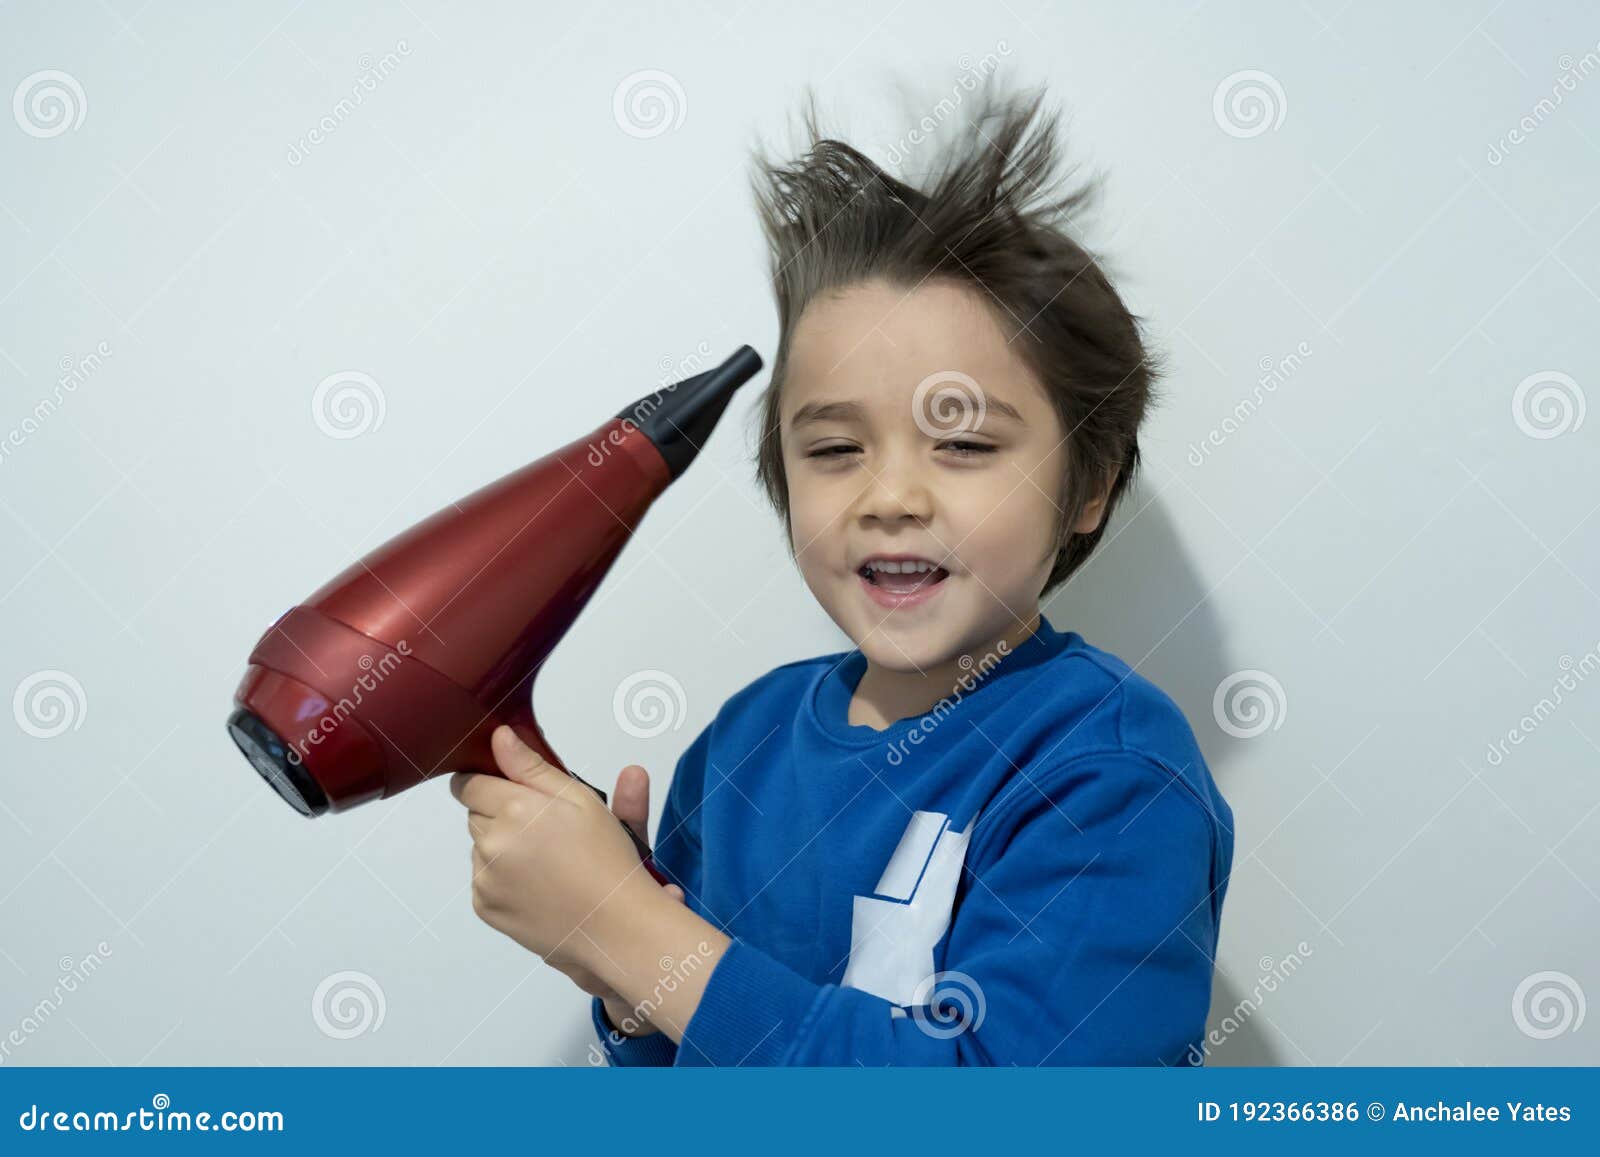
527,728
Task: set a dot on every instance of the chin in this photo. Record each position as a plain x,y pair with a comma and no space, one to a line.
910,650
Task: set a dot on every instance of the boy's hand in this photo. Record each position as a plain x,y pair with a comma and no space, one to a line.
547,857
630,803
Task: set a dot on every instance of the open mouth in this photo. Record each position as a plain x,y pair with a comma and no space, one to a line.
900,581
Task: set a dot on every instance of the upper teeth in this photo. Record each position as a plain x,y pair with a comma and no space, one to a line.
888,567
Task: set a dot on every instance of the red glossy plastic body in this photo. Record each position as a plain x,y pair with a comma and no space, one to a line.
400,668
435,638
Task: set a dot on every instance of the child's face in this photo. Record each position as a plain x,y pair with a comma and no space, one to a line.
941,472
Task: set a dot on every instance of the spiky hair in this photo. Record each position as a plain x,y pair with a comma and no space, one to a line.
995,215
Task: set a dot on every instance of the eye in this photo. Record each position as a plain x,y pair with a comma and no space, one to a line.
835,451
968,449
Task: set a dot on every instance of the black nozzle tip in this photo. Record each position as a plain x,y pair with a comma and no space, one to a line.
269,755
679,418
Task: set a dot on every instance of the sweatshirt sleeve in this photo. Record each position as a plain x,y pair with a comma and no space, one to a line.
677,854
1084,933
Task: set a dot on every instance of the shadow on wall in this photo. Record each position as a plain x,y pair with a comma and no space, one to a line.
1139,598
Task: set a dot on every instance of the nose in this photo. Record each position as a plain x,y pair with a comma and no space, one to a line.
896,489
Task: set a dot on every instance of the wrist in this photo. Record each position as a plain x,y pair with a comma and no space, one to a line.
612,928
655,954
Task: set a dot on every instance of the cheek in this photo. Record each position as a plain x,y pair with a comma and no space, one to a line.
812,515
1005,531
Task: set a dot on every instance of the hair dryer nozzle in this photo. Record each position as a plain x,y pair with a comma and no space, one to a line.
679,418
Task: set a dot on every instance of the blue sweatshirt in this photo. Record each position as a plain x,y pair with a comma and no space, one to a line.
1030,873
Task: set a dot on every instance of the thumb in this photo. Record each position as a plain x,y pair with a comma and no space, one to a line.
630,801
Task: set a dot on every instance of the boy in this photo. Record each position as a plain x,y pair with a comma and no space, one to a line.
973,839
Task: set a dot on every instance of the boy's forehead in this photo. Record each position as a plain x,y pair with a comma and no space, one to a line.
877,341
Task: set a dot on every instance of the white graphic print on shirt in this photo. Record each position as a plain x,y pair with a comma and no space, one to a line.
893,931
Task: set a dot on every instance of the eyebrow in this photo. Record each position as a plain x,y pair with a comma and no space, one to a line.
813,412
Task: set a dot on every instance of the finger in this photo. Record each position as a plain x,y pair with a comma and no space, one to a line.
630,801
485,794
522,764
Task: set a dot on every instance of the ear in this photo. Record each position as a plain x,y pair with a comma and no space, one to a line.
1094,509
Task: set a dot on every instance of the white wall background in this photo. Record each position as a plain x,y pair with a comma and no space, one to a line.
1412,558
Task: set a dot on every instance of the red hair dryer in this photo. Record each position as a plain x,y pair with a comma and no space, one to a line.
403,665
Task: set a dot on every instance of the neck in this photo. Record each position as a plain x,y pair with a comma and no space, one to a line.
884,696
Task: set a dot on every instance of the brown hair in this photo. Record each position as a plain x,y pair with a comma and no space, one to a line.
991,218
